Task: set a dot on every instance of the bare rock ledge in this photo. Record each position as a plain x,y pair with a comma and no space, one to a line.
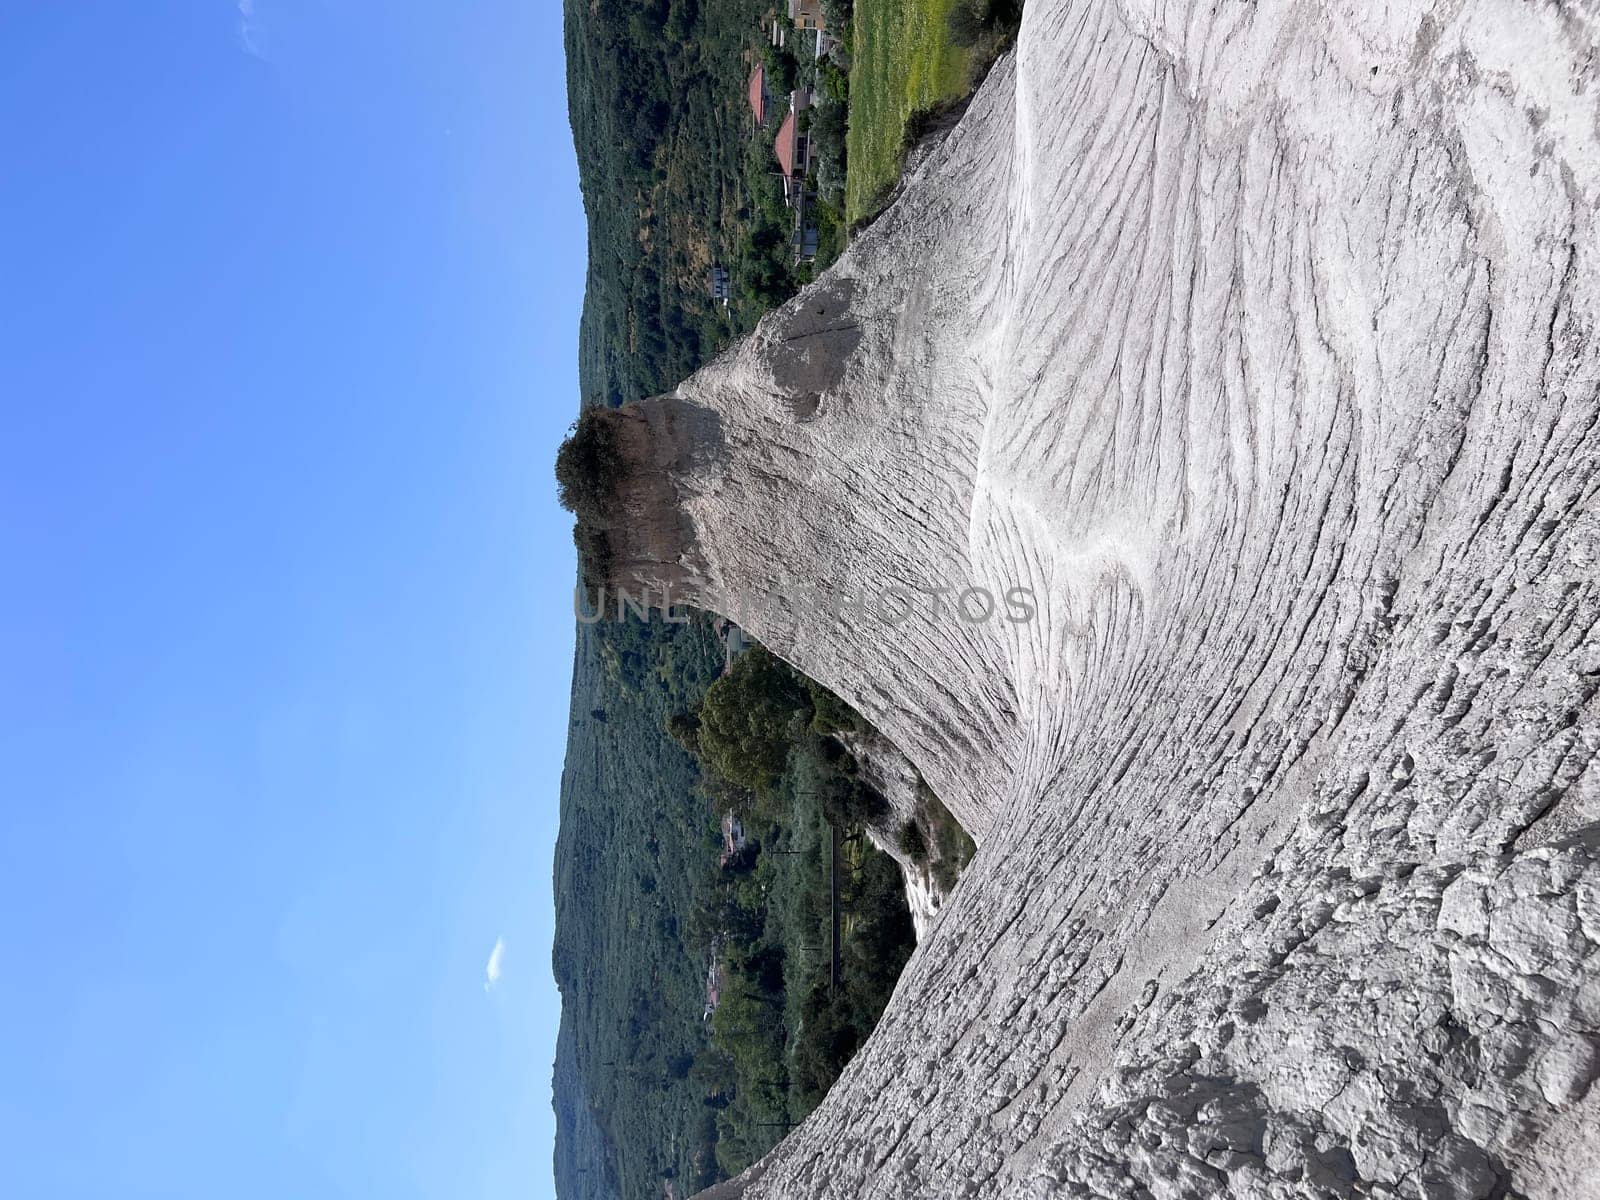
1258,340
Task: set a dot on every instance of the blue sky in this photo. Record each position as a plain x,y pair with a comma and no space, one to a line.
287,341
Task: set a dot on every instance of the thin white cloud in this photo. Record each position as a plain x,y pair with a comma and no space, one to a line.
491,972
249,29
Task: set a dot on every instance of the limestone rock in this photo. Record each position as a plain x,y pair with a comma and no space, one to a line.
1258,341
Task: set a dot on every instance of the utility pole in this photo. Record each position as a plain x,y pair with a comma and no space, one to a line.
834,971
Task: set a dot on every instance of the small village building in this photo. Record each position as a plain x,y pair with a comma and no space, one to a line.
757,94
713,978
721,284
806,240
805,237
807,14
734,642
733,839
793,149
713,984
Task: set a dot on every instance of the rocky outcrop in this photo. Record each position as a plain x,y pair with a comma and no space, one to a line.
892,776
1257,341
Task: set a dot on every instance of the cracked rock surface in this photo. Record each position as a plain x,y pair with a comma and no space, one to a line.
1258,341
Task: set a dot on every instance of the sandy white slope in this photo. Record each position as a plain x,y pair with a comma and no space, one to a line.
1259,340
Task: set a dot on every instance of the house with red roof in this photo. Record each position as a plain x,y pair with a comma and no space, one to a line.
793,149
757,94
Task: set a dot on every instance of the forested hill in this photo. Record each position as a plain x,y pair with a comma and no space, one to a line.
630,961
657,104
656,92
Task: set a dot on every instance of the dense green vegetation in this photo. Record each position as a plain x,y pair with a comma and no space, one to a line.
784,1028
656,94
589,468
675,179
631,859
647,1092
984,28
767,274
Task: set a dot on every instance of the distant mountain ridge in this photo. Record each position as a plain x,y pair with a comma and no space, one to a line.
631,841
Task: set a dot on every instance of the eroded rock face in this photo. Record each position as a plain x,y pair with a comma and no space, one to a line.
1258,340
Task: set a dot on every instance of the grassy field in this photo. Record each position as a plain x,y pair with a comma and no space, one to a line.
903,61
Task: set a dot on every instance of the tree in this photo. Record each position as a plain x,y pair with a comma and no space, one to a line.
684,729
846,800
680,21
589,464
782,69
966,22
765,269
746,718
831,714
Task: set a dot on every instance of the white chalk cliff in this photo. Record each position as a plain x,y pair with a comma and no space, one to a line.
1259,340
